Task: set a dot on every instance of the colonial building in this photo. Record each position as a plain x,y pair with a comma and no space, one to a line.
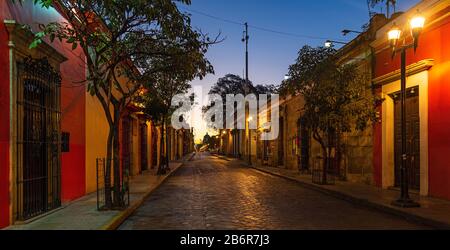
296,148
39,107
355,163
52,129
428,88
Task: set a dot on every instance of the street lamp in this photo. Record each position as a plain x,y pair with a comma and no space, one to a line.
249,141
346,32
330,43
416,25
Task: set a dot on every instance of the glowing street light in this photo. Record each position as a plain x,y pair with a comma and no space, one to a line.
416,24
394,35
331,43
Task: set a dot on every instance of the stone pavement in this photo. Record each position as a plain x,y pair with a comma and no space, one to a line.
433,212
213,193
82,214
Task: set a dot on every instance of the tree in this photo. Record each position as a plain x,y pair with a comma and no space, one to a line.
126,43
158,103
166,85
234,84
337,98
206,139
389,3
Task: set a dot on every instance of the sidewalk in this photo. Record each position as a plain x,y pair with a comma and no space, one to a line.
82,214
433,212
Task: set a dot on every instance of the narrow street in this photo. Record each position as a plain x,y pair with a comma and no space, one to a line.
212,193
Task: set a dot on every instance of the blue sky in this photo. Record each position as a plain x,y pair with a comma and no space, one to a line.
271,54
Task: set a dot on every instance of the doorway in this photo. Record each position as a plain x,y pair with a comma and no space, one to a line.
281,143
127,153
412,137
144,147
38,138
155,137
304,140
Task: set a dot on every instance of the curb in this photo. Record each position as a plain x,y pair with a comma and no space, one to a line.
364,202
121,217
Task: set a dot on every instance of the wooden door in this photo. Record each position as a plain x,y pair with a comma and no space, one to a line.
412,135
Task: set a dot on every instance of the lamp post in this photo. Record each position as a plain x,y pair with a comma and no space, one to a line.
394,35
249,141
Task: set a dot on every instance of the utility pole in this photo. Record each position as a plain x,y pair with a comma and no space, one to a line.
245,39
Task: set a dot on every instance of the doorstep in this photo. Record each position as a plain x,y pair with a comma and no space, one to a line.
433,212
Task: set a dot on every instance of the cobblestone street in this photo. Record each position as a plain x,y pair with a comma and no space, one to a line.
212,193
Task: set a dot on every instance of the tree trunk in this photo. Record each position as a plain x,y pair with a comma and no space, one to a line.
116,152
161,169
325,155
108,194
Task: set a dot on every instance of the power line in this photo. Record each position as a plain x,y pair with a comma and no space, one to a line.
214,17
287,33
257,27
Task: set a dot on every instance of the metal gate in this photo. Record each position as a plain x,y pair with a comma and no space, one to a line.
38,138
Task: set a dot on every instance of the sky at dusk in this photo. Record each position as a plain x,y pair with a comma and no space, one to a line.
308,22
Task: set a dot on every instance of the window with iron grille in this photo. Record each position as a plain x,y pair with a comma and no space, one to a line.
38,176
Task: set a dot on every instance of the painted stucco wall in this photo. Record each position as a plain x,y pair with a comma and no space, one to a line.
4,126
73,103
97,129
72,99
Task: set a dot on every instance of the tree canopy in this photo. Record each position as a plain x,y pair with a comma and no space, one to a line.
234,84
337,98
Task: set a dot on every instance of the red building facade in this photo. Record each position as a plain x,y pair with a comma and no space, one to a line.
428,103
28,119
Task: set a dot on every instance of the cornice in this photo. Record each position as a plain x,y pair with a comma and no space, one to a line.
20,39
412,69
